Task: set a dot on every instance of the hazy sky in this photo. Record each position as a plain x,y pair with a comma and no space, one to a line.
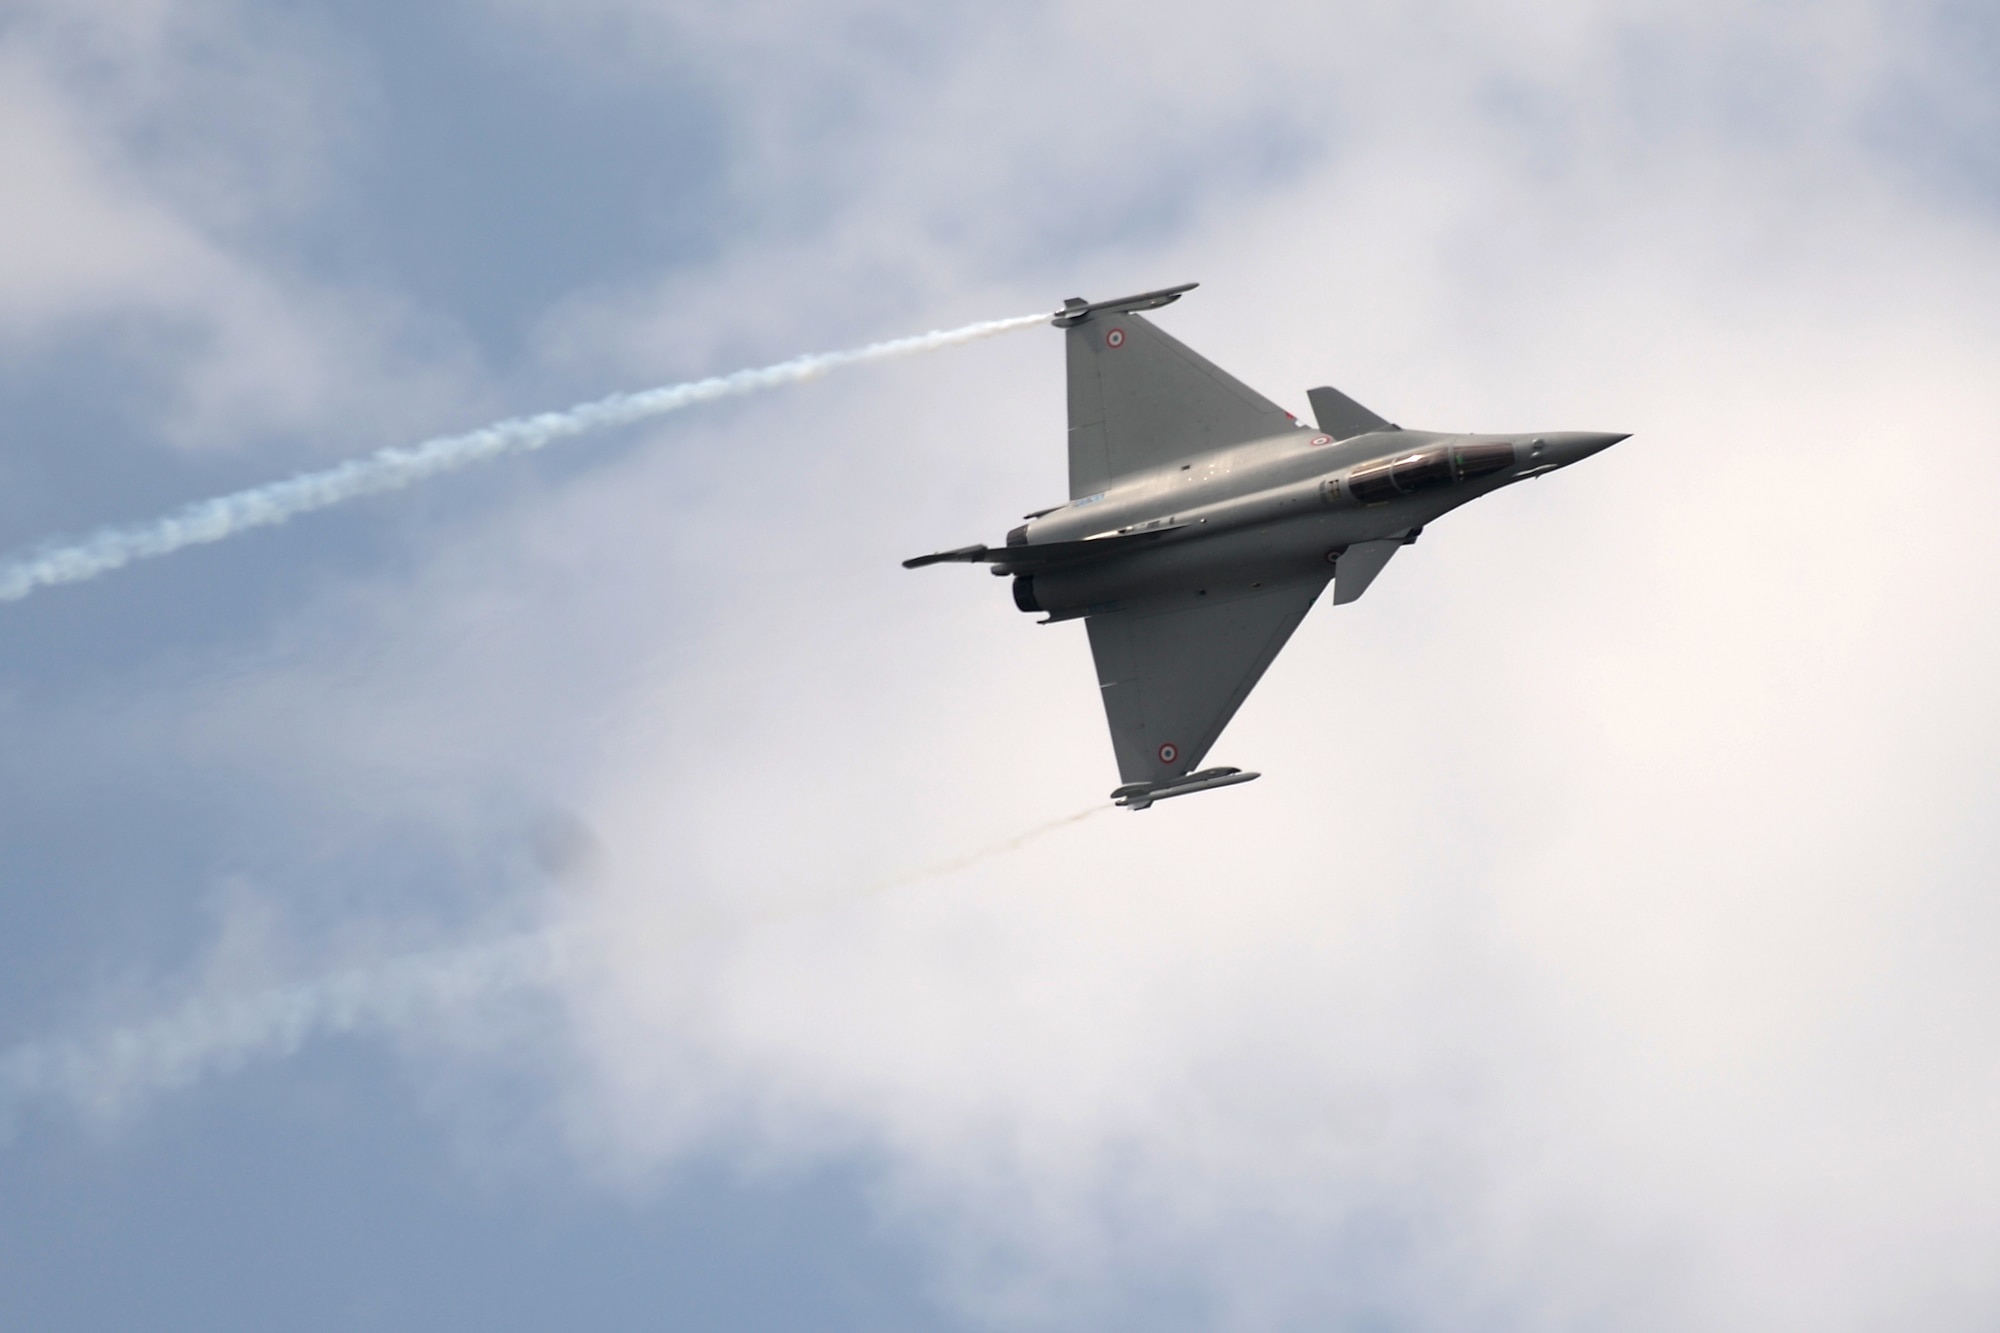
466,909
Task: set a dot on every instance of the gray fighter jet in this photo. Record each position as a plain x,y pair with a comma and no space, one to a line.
1204,519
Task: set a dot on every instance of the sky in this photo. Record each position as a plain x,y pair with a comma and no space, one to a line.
601,888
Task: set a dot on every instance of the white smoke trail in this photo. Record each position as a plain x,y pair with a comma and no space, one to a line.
116,1070
112,1071
394,468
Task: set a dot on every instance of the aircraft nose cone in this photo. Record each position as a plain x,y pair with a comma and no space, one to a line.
1572,446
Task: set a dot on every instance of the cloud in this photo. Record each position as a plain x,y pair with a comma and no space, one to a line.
1561,970
153,152
1606,942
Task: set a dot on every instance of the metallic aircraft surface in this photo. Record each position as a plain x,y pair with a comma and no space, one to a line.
1204,520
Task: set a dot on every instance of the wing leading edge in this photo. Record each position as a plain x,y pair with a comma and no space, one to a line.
1172,679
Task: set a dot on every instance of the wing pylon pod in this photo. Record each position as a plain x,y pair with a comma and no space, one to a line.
1076,309
1139,795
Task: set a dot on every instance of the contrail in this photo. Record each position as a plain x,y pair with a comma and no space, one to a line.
63,561
117,1069
939,869
205,1036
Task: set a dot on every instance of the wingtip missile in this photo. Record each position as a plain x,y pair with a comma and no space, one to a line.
1140,795
1076,310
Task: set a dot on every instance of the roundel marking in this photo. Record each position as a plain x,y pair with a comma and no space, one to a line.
1115,338
1322,439
1169,752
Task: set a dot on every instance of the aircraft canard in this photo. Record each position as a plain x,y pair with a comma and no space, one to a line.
1204,521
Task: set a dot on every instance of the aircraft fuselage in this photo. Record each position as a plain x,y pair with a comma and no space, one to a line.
1250,516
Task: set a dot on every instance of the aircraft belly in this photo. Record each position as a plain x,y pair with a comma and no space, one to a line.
1222,563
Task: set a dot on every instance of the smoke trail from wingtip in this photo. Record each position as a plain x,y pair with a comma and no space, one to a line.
393,468
119,1069
207,1035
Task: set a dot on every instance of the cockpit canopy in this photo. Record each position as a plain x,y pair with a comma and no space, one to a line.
1426,469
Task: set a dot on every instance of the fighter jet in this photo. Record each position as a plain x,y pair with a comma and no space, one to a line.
1204,520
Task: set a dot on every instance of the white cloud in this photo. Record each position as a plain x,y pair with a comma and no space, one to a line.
150,151
1600,948
1607,944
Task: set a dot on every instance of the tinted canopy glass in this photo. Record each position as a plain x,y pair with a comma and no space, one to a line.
1426,469
1483,460
1406,474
